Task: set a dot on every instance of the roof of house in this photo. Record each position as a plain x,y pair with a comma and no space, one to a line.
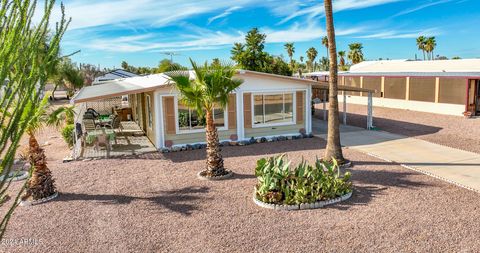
407,66
120,87
139,84
112,75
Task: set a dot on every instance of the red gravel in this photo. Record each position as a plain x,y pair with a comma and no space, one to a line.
155,203
452,131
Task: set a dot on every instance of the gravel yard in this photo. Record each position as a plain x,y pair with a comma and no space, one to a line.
452,131
155,203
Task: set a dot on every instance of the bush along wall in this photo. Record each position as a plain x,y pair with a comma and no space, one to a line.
67,134
303,187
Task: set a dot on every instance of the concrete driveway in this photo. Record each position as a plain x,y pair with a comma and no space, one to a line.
449,164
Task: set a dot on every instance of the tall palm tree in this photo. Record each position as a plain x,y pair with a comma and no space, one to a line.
341,54
421,45
311,55
334,149
210,88
41,183
290,47
355,54
325,43
430,45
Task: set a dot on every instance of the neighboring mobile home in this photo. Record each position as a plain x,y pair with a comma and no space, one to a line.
444,86
265,105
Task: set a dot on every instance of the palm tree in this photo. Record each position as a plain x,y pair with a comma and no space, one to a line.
334,149
430,45
421,45
210,88
311,55
341,54
355,54
41,183
325,43
290,47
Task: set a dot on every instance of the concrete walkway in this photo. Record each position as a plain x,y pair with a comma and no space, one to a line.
452,165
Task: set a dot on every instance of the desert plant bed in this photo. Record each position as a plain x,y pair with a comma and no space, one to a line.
305,186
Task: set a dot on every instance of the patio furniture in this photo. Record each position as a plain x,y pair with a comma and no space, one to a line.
92,136
89,125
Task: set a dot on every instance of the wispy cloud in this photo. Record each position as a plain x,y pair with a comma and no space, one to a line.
420,7
341,5
226,13
401,34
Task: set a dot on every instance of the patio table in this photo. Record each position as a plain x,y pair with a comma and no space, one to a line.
92,135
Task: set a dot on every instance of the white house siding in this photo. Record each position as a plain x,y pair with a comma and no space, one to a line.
253,83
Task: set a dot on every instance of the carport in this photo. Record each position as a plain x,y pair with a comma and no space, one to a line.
320,95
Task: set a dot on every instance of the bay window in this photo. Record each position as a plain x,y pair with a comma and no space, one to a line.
273,109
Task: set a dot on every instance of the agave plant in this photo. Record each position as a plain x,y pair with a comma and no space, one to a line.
279,184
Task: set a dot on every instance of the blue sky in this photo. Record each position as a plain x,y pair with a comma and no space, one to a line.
109,31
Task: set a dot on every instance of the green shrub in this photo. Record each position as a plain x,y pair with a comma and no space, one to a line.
278,184
67,133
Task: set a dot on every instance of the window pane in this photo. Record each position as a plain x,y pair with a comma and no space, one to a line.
258,109
219,117
288,113
197,121
183,117
273,108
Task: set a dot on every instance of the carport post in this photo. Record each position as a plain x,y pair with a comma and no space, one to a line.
324,104
344,108
370,112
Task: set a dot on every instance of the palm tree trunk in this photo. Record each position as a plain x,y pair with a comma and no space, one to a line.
214,158
334,149
423,54
41,183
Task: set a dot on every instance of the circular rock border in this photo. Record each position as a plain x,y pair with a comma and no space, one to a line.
318,204
16,177
228,175
348,164
39,201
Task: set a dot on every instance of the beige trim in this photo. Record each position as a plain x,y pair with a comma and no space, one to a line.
383,87
247,110
361,85
407,88
437,89
300,106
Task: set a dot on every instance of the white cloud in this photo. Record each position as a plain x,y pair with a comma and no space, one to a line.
395,34
226,13
340,5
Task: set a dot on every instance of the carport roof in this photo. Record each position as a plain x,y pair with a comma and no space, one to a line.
120,87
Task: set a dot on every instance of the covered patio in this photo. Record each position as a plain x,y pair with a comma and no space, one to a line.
110,118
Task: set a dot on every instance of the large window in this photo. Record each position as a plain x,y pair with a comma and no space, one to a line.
272,109
189,120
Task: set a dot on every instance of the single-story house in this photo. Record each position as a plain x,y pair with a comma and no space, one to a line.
265,105
449,87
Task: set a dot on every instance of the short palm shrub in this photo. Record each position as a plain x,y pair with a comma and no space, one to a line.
67,134
279,184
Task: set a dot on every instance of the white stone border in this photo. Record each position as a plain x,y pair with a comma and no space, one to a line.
20,176
228,175
318,204
39,201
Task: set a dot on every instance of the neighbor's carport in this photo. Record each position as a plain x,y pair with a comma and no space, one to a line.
321,91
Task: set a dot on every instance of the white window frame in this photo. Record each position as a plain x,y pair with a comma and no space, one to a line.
148,103
177,126
294,106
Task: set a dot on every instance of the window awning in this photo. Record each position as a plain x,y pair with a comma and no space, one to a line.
120,87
